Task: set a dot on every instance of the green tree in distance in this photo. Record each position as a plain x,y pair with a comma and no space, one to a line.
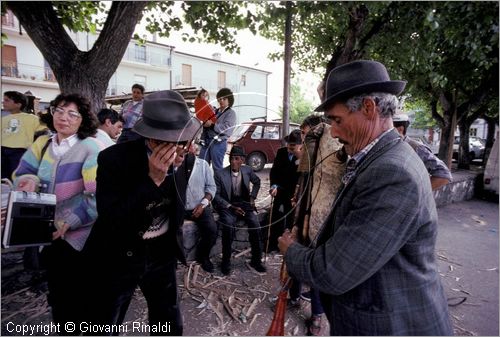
448,51
300,107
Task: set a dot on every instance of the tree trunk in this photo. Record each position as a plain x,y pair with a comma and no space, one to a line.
86,73
348,51
449,120
463,149
288,68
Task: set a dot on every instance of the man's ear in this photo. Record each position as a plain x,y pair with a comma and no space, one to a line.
108,123
370,108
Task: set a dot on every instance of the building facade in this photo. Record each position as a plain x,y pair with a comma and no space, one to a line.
155,65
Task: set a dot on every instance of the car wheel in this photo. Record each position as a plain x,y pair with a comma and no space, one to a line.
256,161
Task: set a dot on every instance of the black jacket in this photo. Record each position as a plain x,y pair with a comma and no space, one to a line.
284,174
125,195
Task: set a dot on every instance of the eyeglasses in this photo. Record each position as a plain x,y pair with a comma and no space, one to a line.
59,112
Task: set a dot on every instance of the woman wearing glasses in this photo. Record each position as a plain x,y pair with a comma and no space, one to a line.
65,164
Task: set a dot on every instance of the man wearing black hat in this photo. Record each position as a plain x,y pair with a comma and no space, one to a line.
136,239
374,260
235,200
283,180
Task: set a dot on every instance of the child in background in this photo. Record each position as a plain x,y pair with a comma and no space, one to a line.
202,108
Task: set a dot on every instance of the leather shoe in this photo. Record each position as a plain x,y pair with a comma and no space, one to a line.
225,268
257,265
207,265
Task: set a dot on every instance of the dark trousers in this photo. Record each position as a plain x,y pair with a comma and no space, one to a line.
10,160
155,274
282,218
295,292
65,284
228,221
208,232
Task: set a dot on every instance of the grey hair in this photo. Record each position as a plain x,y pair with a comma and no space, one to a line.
387,103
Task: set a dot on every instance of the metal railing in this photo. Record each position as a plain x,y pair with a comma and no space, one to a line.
28,72
137,54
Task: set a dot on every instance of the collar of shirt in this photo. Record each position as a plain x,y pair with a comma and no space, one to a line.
356,159
65,144
235,174
290,156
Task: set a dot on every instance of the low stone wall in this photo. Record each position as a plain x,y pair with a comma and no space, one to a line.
461,188
192,236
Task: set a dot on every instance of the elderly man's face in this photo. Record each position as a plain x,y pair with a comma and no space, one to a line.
236,162
353,129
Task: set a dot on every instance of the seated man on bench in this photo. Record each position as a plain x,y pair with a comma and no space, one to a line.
234,200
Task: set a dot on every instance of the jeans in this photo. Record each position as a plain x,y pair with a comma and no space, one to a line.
213,152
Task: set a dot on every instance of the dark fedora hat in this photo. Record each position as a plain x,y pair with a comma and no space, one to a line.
237,151
294,137
165,116
358,77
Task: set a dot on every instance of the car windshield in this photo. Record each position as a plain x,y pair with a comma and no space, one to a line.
238,132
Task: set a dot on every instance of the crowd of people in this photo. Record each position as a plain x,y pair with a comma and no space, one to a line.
352,207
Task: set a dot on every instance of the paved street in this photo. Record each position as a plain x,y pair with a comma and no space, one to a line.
467,250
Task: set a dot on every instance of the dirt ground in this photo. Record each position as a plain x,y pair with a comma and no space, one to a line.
211,304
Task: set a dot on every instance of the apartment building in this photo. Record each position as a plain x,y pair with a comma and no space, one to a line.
156,66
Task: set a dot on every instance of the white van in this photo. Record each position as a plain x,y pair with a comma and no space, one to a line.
491,170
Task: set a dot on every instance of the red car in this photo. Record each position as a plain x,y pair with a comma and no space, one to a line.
260,141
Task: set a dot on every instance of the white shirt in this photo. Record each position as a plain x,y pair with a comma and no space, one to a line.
66,144
103,136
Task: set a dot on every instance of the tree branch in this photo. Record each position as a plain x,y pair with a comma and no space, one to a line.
119,26
40,21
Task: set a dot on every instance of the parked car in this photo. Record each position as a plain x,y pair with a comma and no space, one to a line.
476,148
260,140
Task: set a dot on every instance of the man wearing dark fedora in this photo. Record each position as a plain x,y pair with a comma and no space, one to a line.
235,200
373,260
283,179
137,240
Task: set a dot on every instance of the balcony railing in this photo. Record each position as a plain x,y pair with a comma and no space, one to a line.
28,72
138,54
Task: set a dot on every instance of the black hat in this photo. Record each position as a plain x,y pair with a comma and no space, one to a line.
358,77
294,137
165,116
237,151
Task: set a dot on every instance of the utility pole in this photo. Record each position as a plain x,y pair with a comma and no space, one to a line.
288,68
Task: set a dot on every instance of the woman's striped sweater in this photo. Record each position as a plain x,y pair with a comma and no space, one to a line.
71,178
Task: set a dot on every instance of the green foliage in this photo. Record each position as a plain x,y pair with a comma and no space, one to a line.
423,116
300,107
218,21
212,21
80,16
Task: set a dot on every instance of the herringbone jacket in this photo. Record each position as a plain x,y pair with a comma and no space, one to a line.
374,262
